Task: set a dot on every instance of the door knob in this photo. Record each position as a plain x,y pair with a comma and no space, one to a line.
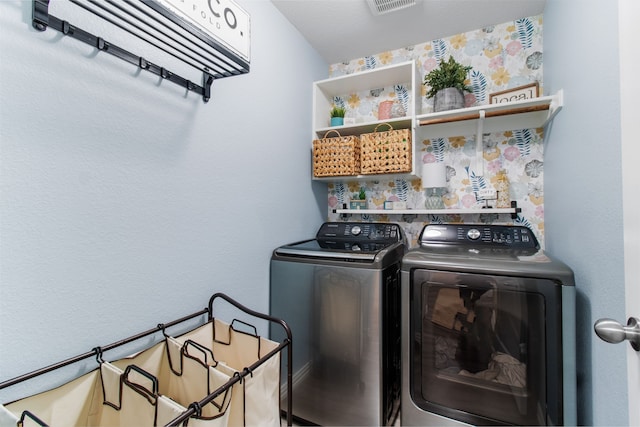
611,331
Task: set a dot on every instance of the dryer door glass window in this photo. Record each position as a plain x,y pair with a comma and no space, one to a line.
480,347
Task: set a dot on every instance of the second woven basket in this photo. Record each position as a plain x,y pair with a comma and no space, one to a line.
385,152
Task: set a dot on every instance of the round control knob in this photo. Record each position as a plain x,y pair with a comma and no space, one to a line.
473,234
355,230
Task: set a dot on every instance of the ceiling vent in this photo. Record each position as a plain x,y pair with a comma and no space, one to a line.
380,7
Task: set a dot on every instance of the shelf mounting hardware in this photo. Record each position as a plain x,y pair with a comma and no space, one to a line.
480,143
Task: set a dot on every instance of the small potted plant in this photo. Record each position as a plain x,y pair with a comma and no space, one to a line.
359,200
337,116
447,85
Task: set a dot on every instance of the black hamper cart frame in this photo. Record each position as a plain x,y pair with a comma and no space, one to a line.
195,407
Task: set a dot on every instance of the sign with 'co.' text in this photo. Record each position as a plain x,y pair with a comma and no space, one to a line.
223,20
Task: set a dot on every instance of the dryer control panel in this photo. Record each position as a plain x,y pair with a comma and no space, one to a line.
479,235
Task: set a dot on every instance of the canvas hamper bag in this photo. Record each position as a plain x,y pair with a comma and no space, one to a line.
255,401
192,377
130,397
139,390
66,405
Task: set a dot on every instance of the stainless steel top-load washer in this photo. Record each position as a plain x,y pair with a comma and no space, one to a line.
340,294
488,330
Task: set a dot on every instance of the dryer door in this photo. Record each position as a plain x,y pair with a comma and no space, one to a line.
487,349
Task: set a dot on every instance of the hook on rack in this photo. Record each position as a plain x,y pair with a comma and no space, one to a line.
101,44
98,352
163,329
197,409
248,372
143,63
67,29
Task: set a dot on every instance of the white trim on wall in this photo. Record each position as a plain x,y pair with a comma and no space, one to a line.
629,34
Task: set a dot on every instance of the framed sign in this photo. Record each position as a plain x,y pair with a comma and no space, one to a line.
519,93
223,20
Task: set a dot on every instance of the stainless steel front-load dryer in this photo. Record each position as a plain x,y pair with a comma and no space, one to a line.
488,330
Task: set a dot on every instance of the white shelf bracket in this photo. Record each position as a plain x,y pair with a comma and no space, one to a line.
555,106
479,167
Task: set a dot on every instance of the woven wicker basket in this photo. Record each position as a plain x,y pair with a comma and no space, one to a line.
385,152
338,156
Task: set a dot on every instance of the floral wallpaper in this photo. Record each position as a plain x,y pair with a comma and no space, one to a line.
502,56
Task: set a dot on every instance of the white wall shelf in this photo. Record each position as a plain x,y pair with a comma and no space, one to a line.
528,114
360,128
389,176
325,90
427,211
514,210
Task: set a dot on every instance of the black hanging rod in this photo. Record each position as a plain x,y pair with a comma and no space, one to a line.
232,62
99,350
222,59
224,67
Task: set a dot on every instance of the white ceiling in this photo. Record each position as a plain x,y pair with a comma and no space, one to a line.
341,30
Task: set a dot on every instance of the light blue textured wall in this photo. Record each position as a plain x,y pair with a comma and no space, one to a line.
583,200
125,203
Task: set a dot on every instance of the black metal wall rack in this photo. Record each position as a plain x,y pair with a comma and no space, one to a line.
157,26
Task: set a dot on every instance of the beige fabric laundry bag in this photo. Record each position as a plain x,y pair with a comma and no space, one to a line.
130,397
255,401
192,378
139,390
67,405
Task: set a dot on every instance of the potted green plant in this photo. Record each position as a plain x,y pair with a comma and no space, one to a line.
337,115
359,200
447,85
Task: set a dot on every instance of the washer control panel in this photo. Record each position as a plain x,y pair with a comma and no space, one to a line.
360,231
507,236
